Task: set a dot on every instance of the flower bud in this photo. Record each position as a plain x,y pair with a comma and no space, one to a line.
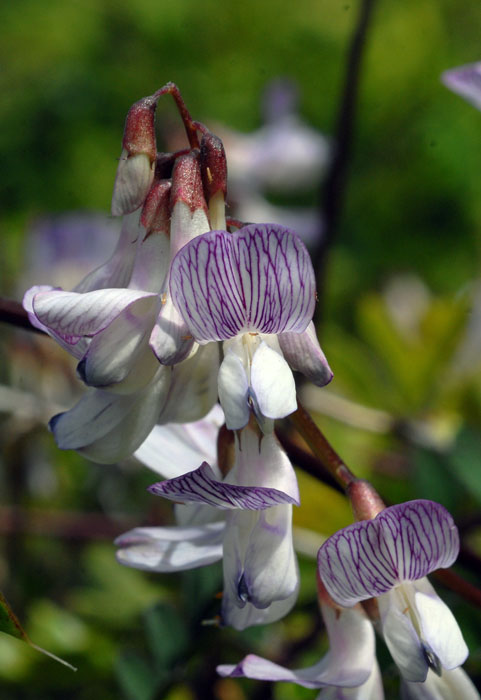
135,171
156,210
189,210
213,166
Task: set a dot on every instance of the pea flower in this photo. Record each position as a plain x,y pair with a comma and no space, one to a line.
389,557
253,289
244,518
348,671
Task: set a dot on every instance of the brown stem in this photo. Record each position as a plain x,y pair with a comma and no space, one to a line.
307,461
321,447
12,312
189,124
459,585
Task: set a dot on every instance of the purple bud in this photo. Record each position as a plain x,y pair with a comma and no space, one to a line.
213,165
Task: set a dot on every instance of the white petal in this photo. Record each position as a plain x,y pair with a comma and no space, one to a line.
72,315
167,549
371,689
233,390
241,618
452,685
171,339
174,449
193,392
115,352
439,627
270,566
151,263
132,182
272,383
350,660
116,272
107,427
401,638
303,353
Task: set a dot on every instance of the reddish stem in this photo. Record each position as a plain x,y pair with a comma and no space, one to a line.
189,124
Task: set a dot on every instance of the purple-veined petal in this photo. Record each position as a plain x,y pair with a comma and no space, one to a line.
438,626
72,315
192,392
258,279
107,427
451,685
465,81
201,486
401,636
233,388
349,661
403,543
122,349
303,353
174,449
272,384
171,340
167,549
116,272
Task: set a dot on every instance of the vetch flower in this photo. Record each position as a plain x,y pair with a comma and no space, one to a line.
255,290
450,685
389,557
348,671
246,518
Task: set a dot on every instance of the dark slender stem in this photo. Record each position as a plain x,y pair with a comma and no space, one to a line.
321,447
12,312
459,585
189,124
307,461
334,186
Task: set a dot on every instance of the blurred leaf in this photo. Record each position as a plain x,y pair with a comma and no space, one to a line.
167,634
9,624
136,678
466,462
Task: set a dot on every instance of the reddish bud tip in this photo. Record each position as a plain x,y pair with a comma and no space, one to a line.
156,210
187,182
365,500
139,132
213,165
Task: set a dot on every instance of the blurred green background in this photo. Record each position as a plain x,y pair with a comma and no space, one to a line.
401,328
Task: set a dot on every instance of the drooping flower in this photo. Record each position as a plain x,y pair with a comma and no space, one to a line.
244,518
254,289
348,671
389,558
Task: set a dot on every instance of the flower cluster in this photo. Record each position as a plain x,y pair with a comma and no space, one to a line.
192,310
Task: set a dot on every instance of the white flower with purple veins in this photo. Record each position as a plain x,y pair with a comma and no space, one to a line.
465,81
388,558
246,519
348,671
255,290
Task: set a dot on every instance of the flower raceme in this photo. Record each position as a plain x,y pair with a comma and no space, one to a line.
244,518
141,325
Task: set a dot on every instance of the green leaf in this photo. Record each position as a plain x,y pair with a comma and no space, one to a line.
9,624
167,633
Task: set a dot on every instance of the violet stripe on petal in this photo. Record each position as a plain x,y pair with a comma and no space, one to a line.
259,279
403,543
201,486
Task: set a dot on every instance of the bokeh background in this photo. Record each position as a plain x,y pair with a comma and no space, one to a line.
400,321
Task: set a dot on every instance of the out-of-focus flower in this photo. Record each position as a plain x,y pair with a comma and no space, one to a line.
348,671
255,290
465,81
246,518
450,685
389,557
